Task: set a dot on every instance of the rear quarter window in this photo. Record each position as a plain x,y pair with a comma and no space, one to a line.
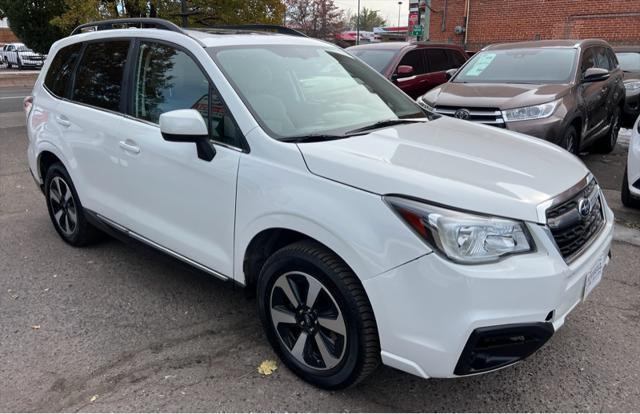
58,78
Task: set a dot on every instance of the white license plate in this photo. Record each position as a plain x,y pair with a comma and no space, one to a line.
593,277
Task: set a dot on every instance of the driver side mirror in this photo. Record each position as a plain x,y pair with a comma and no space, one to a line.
595,75
187,125
449,74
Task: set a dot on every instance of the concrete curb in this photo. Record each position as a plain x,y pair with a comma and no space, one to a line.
18,79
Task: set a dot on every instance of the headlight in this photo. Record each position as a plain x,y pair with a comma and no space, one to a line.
424,105
463,237
530,112
632,85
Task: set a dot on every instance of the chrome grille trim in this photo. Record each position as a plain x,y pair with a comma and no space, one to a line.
486,116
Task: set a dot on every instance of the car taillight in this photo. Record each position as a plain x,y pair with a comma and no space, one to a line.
27,104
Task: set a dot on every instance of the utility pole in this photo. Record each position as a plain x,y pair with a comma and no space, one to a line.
399,6
358,25
183,12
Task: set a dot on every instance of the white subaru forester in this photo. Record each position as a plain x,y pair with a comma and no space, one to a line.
369,232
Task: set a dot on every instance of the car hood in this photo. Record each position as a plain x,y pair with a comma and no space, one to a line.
451,162
491,95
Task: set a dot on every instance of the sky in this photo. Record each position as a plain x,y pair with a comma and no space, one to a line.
388,9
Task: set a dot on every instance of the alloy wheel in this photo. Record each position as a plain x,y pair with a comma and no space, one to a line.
308,320
615,128
63,206
570,142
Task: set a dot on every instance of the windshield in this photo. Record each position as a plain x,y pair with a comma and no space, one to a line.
629,61
310,90
378,59
542,65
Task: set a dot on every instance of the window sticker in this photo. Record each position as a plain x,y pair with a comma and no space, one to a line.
480,64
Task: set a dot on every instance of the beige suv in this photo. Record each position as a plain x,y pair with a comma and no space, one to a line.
569,92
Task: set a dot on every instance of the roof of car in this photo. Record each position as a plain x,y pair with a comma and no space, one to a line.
570,43
401,45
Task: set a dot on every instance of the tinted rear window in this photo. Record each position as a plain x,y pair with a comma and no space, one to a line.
537,66
377,59
99,78
59,74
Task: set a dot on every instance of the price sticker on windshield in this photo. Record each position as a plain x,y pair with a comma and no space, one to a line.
480,64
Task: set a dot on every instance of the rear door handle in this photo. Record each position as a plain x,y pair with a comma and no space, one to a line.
130,146
63,120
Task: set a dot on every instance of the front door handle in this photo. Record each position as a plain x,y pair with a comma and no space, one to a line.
63,120
130,146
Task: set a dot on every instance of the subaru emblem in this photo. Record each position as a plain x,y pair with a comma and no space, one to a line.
584,207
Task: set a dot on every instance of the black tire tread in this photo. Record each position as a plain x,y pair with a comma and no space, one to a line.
370,340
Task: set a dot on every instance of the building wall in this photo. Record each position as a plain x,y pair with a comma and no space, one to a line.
6,35
491,21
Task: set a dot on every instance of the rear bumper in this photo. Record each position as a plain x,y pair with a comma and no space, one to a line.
633,161
631,107
429,309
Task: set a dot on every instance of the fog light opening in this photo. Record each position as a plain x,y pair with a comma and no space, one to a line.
550,316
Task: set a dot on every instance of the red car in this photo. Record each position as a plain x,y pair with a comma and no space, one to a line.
415,67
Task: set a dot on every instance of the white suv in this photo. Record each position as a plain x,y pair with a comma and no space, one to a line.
369,232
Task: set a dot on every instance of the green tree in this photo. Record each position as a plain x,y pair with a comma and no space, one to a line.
316,18
368,19
30,20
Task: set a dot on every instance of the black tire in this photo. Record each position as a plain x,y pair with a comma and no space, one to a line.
8,63
356,354
627,198
78,233
607,143
571,141
20,67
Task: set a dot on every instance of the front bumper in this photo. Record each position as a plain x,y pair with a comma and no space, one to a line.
550,129
427,309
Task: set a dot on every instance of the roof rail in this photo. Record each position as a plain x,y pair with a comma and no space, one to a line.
141,22
257,27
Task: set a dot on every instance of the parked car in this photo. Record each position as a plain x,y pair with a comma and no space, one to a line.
368,231
20,56
631,178
629,58
569,92
414,67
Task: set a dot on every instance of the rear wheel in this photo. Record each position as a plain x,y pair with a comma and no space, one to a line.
570,141
65,209
607,143
627,198
317,317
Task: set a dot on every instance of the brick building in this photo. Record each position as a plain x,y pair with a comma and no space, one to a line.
6,35
491,21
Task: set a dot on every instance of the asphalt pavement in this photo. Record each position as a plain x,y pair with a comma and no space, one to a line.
116,327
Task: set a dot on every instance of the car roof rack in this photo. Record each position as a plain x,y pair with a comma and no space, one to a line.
141,22
255,27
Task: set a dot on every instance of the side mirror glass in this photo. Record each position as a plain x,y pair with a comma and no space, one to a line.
187,125
404,71
595,75
449,74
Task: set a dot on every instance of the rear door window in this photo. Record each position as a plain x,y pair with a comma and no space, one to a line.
456,59
438,60
100,72
58,79
414,58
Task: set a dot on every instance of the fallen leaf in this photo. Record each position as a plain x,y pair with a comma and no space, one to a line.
267,367
14,297
93,398
35,326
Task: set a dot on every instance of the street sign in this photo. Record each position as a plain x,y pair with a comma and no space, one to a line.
417,30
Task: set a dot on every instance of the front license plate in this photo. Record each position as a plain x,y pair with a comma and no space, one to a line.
593,277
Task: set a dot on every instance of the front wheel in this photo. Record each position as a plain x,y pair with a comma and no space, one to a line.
607,143
570,140
317,316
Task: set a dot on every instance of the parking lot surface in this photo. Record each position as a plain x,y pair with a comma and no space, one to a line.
115,327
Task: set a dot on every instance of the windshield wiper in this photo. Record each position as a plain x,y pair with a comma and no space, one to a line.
313,138
383,124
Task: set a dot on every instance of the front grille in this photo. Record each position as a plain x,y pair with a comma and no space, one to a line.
571,229
487,116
